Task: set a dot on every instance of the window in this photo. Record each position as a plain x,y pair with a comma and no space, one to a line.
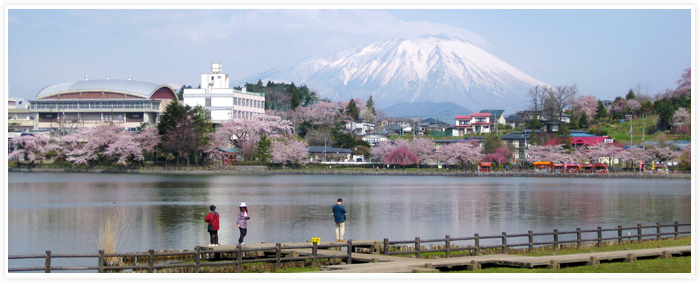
212,78
207,102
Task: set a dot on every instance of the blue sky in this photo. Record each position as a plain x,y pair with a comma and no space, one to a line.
605,51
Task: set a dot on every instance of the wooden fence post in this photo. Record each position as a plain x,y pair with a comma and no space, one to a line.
600,236
619,235
151,256
417,247
476,243
504,243
47,268
447,246
556,239
349,252
278,255
239,259
675,230
639,233
314,254
578,238
658,231
101,262
197,255
386,246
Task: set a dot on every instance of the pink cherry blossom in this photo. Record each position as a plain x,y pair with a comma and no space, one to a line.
290,151
587,105
31,147
401,156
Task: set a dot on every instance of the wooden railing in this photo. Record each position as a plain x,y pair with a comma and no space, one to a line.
531,244
504,245
151,255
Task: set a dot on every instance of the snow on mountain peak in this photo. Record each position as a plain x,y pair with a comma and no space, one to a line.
439,68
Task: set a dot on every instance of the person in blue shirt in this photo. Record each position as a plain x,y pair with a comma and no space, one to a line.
339,214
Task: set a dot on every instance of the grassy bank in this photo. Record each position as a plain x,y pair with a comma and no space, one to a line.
658,265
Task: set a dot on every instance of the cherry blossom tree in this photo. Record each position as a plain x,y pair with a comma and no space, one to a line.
684,83
424,149
31,148
402,156
320,113
501,156
550,153
237,131
633,105
587,105
681,118
604,152
386,147
93,144
685,156
460,153
290,151
663,154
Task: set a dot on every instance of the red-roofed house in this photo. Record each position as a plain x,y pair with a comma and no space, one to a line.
588,141
479,122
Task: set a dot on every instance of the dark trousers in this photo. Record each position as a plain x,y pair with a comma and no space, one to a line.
243,233
214,237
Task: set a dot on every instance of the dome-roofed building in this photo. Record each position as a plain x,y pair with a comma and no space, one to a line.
80,104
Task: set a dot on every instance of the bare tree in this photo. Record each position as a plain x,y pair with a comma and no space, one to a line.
537,95
559,98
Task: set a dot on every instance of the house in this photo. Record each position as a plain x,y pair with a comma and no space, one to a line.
514,120
395,121
318,154
479,122
20,119
374,138
432,124
496,115
396,130
224,103
359,128
518,141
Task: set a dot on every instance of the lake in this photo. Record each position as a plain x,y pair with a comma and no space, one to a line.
61,212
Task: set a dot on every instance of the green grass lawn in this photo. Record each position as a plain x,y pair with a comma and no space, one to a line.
681,241
672,265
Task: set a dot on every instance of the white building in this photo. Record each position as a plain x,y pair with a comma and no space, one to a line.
224,103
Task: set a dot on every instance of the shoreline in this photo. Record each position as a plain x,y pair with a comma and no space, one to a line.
261,170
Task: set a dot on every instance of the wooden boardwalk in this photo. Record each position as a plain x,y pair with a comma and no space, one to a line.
392,264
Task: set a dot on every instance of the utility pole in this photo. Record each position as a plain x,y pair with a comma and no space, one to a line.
631,129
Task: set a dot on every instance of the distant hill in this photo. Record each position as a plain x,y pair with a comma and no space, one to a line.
427,109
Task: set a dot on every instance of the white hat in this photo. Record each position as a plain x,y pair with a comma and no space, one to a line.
242,204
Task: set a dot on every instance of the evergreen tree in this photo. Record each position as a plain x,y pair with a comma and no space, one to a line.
263,150
630,95
370,105
583,121
574,122
295,100
564,136
601,113
352,110
491,143
534,124
173,112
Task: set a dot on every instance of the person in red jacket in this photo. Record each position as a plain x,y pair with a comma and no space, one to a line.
213,228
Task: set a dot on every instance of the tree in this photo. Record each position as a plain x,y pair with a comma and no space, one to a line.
424,149
491,143
236,132
583,121
601,112
604,152
263,149
564,136
551,153
630,95
179,139
173,111
104,143
289,151
501,156
385,147
460,153
402,156
587,105
352,111
148,139
295,99
537,96
370,105
681,120
31,148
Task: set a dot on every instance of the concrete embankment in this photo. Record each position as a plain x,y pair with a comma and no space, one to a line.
262,170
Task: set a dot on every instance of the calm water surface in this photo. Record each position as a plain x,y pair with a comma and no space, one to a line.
61,212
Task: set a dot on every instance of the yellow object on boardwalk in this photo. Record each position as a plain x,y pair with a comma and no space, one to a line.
316,240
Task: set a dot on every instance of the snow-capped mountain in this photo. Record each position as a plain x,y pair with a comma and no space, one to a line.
435,68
